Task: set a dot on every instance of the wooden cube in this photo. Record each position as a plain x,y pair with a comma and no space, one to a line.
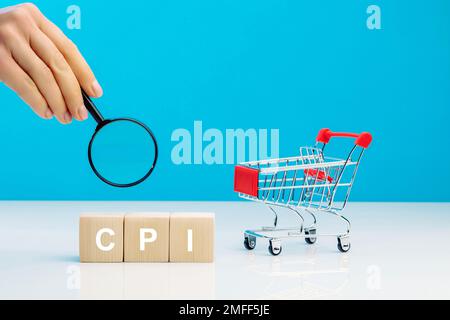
146,237
192,237
101,237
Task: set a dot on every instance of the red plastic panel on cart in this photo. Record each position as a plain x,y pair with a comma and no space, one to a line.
319,175
246,180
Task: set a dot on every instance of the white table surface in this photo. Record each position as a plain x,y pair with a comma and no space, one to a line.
398,251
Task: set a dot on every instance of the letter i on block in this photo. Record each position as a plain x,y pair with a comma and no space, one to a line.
147,237
192,237
101,238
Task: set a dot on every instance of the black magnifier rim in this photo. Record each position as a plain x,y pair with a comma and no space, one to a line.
122,185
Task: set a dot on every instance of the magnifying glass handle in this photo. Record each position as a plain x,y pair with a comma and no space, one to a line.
90,106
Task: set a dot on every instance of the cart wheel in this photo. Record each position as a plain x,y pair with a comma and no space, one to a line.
275,248
250,243
310,240
343,245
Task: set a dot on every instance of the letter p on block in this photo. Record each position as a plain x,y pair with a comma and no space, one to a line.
147,237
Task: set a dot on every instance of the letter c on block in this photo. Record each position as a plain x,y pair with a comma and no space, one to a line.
98,239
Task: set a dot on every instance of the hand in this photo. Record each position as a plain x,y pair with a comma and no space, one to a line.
43,66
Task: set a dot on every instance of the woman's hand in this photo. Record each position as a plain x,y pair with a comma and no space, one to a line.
43,66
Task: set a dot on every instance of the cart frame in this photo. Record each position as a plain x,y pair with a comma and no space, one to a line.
306,184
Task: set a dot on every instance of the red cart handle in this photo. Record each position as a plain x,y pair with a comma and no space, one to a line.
362,140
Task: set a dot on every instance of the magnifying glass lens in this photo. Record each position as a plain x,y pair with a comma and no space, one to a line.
123,152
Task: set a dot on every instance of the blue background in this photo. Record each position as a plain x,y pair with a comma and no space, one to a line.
293,65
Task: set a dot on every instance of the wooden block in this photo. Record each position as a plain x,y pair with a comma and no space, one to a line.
146,237
192,237
101,237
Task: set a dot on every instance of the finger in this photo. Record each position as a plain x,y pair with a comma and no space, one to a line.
66,79
71,53
43,78
21,83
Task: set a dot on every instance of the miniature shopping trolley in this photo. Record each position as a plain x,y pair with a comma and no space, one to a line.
306,185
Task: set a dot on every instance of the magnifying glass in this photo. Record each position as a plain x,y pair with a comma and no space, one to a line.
123,152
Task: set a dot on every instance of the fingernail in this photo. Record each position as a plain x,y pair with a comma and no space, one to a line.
67,118
82,113
48,114
97,89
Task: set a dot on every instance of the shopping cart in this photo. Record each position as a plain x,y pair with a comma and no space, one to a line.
306,185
